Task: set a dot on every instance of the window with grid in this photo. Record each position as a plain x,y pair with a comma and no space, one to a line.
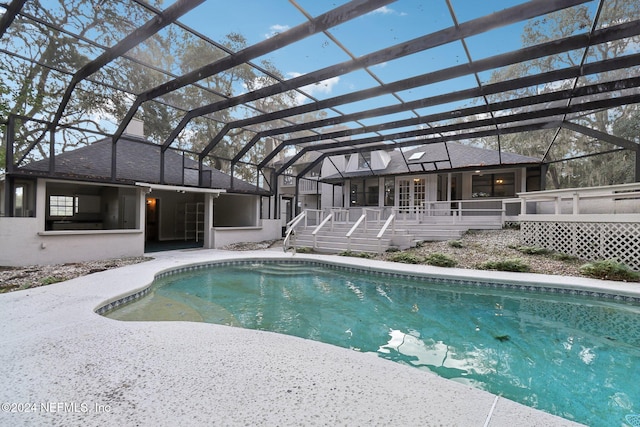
63,205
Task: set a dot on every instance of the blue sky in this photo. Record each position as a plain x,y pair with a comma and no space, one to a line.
398,22
395,23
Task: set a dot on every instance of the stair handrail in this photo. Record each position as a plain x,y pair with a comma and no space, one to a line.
353,229
319,227
387,223
291,225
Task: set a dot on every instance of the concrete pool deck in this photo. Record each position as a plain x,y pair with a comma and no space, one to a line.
63,364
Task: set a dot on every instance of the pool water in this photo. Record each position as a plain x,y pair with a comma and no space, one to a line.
576,357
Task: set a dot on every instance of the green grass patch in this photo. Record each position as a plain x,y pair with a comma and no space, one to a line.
513,264
609,269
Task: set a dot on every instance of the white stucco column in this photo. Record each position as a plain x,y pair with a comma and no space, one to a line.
208,220
257,216
141,222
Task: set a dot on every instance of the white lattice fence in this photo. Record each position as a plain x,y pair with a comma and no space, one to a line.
587,240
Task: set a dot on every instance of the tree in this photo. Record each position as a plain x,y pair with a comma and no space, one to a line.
611,168
34,80
33,85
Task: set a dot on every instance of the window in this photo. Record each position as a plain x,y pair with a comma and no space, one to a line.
63,205
23,199
365,192
364,160
493,185
404,194
288,177
416,156
389,191
287,180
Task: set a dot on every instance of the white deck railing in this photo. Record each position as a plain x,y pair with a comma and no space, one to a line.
612,199
290,227
589,223
340,214
453,209
306,186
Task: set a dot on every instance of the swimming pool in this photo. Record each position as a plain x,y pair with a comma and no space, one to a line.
569,355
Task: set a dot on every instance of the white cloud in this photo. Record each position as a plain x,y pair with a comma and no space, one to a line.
384,10
275,30
324,87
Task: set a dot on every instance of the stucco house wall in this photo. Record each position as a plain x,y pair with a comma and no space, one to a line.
25,241
103,218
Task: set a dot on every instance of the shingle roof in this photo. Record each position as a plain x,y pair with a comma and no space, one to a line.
137,160
435,158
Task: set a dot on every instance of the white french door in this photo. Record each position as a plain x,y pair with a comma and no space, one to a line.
415,194
412,194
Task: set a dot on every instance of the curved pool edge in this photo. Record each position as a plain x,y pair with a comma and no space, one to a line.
528,282
61,350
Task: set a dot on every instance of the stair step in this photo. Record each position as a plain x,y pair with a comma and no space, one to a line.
405,234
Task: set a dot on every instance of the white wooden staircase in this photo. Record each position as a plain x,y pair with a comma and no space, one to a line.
376,236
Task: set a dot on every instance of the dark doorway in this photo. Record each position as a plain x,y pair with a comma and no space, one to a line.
152,219
286,212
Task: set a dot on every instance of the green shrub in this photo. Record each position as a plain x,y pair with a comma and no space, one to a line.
393,249
406,257
357,254
514,264
455,243
559,256
532,250
51,280
304,250
609,269
440,260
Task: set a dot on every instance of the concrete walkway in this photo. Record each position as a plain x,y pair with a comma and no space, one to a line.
62,364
